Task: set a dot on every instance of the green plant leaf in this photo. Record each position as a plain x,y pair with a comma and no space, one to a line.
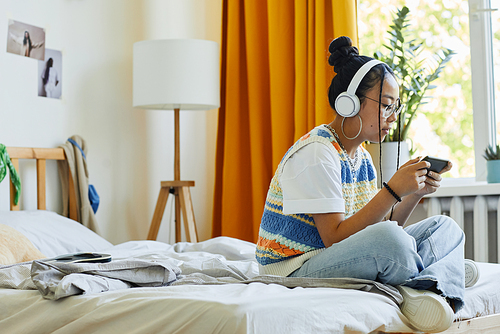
492,152
414,72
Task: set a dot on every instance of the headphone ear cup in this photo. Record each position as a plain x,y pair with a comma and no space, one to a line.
347,105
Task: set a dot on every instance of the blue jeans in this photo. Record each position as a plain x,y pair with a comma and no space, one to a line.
428,254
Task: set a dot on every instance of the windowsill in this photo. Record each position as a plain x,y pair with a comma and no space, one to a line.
465,187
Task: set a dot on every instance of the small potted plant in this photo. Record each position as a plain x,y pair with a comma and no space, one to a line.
492,156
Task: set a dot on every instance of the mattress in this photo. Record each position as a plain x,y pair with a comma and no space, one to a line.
227,308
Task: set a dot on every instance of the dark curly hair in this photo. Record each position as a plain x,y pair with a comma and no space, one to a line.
346,61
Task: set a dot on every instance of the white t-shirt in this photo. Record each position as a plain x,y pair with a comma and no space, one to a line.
311,181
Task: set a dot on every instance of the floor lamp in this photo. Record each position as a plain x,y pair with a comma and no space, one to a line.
176,74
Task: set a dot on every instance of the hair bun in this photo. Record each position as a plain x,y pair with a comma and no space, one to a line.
341,50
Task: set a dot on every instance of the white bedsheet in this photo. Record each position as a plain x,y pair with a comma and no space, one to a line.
484,297
233,308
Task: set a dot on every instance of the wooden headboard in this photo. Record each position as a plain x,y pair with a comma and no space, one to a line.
41,155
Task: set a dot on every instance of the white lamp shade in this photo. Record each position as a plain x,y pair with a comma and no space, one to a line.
176,73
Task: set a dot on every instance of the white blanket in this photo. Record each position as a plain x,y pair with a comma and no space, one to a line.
229,308
55,280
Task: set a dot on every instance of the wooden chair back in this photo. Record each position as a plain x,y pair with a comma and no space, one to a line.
41,155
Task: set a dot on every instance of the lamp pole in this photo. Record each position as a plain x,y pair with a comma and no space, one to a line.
177,174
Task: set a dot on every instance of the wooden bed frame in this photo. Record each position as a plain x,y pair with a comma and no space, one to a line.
485,324
41,155
488,324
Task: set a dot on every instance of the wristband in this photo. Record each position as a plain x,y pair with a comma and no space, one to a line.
392,192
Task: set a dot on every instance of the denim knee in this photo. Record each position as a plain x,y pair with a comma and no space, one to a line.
394,252
393,239
446,225
450,224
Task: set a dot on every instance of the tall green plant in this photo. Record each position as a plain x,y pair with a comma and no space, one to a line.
414,74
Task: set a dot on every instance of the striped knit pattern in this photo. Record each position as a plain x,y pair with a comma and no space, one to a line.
281,236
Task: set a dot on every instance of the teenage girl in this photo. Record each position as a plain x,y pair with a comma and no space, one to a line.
325,217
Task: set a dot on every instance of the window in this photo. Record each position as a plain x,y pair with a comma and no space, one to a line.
447,126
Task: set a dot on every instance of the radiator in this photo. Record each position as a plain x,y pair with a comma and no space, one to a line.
485,221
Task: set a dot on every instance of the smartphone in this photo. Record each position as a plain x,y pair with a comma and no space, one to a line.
81,257
437,164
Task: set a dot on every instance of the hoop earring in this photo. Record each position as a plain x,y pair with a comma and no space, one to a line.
360,127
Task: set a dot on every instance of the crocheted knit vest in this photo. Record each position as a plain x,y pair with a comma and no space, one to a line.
287,241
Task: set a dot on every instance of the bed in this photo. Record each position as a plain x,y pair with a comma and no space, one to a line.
216,288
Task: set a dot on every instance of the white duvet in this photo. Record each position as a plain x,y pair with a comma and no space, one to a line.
231,308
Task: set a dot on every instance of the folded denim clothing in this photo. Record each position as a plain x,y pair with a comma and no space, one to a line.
56,280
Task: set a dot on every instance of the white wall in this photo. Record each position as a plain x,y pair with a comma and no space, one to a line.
130,150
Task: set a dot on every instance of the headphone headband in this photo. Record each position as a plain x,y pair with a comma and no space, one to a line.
360,74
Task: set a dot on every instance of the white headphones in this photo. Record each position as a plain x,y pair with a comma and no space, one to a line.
347,103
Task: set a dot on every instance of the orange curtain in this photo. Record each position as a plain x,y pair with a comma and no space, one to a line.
274,82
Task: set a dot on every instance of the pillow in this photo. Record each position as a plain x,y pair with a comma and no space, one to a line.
53,234
15,247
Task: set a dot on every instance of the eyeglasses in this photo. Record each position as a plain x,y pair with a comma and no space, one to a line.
394,108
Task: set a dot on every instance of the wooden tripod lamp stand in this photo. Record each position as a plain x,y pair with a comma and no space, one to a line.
175,74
